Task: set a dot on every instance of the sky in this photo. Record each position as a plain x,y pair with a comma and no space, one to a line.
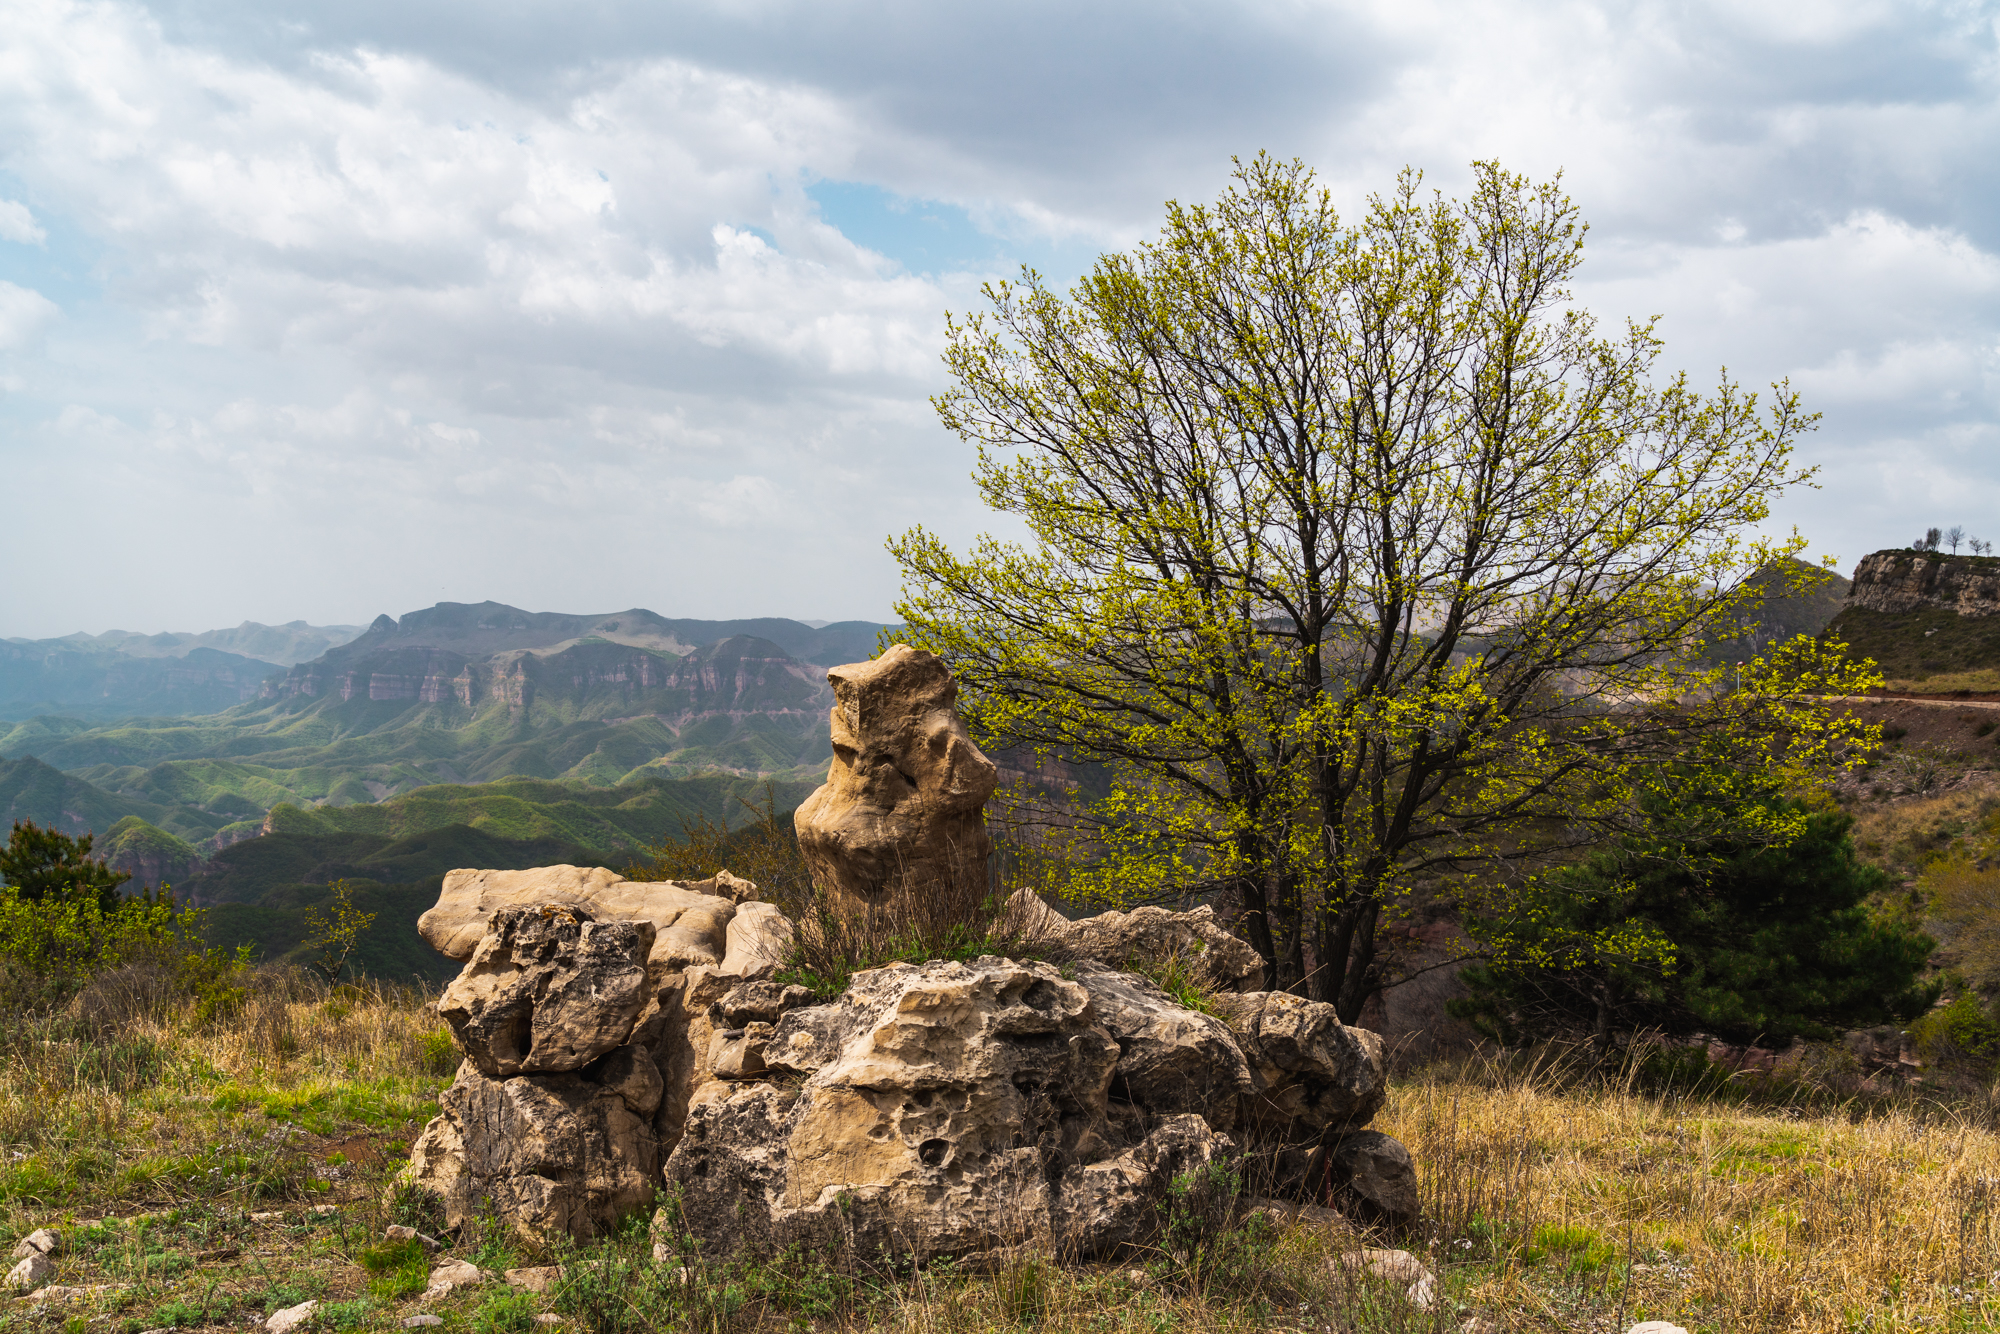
315,310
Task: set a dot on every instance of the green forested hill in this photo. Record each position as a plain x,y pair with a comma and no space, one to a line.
614,822
395,855
32,790
593,713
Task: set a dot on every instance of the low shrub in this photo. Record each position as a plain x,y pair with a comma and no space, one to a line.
1206,1249
1962,1032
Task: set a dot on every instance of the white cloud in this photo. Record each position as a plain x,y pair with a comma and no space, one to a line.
475,291
24,314
17,224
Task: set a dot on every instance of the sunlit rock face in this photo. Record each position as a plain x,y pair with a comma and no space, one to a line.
902,809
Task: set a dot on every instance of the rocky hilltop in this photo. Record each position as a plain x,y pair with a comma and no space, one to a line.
1926,618
1901,581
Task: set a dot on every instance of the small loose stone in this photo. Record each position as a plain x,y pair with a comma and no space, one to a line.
283,1322
537,1278
39,1242
32,1272
398,1232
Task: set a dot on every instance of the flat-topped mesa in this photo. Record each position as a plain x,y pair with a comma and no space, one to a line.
902,809
1901,581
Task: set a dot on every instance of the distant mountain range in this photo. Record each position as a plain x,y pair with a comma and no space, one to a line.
456,694
251,768
294,641
119,674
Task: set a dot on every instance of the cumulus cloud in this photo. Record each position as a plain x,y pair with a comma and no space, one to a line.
24,313
538,302
18,224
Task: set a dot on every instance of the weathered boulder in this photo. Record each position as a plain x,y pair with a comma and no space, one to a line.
1377,1173
39,1242
588,1022
556,1155
759,1000
956,1109
1202,945
900,813
1170,1059
690,920
1308,1070
1113,1205
549,988
756,941
34,1270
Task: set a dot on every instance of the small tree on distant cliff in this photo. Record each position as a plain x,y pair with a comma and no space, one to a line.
49,865
1358,554
1953,537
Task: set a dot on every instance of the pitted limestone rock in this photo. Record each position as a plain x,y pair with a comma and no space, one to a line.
1201,944
690,919
901,811
956,1109
556,1155
1308,1070
549,989
1171,1059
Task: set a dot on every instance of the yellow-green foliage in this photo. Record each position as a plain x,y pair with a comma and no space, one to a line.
1962,1031
1356,547
1966,895
51,947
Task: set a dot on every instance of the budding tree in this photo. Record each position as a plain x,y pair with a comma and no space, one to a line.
1357,553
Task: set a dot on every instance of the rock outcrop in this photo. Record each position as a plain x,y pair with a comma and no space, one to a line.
1308,1070
588,1019
1202,945
690,920
952,1109
1901,581
557,1155
965,1109
549,989
901,811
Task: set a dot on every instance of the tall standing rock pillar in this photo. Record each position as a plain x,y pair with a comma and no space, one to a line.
899,822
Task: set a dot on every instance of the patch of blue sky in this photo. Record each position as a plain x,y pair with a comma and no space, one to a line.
929,236
63,266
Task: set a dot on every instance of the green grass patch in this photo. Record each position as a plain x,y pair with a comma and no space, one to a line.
506,1313
1579,1248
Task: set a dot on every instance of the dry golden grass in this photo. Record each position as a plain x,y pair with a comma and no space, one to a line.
1553,1204
1715,1216
1903,836
1984,680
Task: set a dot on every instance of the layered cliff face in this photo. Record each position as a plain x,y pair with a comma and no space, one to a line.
1904,581
1926,619
740,675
